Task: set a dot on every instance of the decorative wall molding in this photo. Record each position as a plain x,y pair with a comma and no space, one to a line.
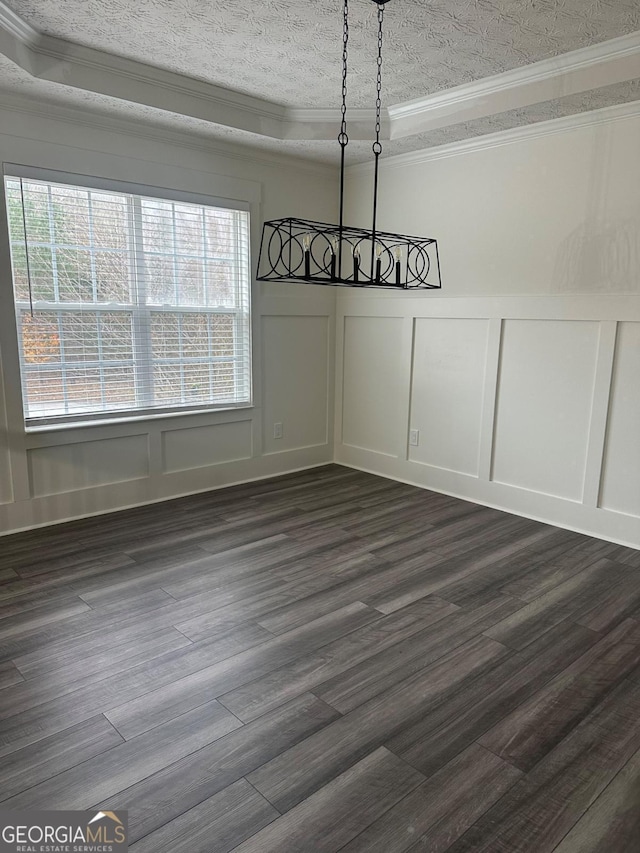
48,58
606,115
536,497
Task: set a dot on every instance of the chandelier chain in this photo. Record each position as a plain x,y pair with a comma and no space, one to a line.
377,146
343,138
295,249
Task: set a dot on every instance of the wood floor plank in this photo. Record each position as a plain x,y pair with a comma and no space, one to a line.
64,576
220,823
580,592
545,574
504,530
128,616
626,556
34,764
22,604
335,814
461,569
192,685
441,809
541,808
434,739
128,762
218,620
536,726
559,542
43,614
42,659
233,563
39,708
381,672
202,572
297,613
464,589
177,697
59,557
219,678
165,795
620,600
277,687
363,521
301,770
8,574
71,668
612,823
93,621
429,540
172,675
414,586
9,674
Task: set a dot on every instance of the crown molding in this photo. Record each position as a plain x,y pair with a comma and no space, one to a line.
538,130
16,26
149,130
304,123
603,64
55,60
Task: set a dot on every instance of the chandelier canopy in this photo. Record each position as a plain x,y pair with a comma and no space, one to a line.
302,250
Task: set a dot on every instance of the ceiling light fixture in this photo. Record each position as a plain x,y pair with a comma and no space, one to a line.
294,249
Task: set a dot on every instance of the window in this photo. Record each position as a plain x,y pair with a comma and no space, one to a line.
139,303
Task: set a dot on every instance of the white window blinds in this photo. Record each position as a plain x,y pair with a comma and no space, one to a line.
139,303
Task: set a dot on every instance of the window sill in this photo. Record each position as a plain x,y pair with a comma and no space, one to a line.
34,429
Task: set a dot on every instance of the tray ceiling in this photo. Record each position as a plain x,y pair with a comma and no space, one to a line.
274,66
288,51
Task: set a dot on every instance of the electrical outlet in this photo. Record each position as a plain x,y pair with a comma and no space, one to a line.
277,430
414,437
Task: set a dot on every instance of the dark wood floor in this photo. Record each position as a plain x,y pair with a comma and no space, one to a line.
325,661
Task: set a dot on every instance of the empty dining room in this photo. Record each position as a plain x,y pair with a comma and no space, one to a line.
320,426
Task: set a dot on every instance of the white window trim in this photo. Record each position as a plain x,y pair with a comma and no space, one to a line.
86,419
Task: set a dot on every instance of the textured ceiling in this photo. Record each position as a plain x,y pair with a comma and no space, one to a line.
20,83
15,81
288,50
620,93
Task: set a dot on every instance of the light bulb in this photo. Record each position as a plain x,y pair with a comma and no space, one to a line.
334,245
397,254
306,242
356,252
378,250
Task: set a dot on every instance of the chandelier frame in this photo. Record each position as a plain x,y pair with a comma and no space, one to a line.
303,250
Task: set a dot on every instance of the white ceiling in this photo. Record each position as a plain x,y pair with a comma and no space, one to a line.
287,54
288,51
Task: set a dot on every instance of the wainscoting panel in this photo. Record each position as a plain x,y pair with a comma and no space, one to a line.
621,478
6,488
515,399
545,392
68,467
197,447
447,392
372,382
296,381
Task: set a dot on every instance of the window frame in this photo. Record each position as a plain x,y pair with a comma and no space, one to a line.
244,326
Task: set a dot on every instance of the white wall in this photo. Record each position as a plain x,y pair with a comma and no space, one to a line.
522,374
64,473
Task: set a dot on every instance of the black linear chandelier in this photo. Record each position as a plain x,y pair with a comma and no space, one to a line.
320,253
